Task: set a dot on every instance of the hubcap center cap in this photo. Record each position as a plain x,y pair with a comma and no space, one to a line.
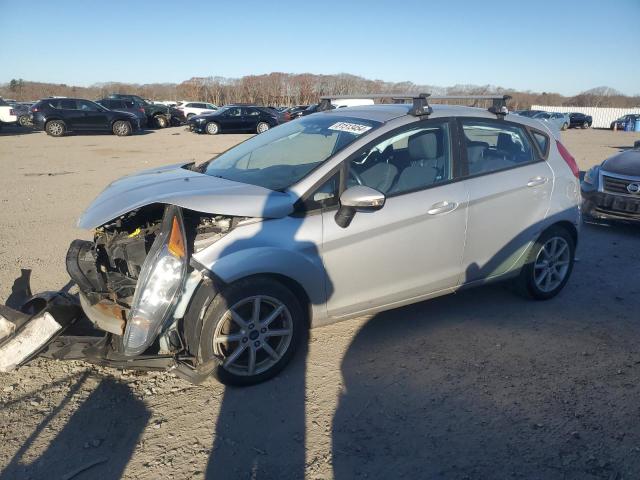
254,334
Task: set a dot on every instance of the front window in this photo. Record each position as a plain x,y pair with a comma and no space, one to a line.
284,155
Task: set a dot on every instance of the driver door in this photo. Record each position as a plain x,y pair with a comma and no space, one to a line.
411,248
233,119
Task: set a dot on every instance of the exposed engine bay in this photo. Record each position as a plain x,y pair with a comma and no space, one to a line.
108,269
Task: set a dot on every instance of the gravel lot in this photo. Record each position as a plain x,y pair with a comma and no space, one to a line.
476,385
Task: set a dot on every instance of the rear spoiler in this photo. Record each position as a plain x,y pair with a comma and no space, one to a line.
420,101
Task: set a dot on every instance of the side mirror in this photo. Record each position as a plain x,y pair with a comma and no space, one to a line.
358,199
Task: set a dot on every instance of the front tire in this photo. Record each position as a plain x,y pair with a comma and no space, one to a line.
565,126
549,265
252,328
161,121
262,127
122,128
212,128
585,125
55,128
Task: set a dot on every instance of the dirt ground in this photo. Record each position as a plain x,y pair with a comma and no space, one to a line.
478,385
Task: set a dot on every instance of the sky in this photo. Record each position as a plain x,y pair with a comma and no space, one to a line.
562,46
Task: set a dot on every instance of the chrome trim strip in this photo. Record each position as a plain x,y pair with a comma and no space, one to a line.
630,178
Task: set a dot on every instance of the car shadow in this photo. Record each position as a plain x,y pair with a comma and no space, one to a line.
486,384
15,130
91,444
254,423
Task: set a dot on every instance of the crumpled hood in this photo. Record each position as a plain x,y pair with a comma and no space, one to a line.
624,163
187,189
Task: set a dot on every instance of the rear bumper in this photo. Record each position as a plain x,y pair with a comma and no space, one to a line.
607,206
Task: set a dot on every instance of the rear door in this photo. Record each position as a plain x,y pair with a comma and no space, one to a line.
250,118
509,185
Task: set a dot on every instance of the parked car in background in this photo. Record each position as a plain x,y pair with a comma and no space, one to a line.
611,190
125,105
559,121
295,112
526,113
196,108
58,116
235,118
7,112
580,120
622,122
177,116
157,115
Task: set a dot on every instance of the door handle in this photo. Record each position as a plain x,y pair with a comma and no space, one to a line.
536,181
442,207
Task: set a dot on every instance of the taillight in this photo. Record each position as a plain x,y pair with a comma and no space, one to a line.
34,109
12,111
567,157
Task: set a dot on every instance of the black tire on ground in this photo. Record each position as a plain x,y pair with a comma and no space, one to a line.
55,128
122,128
212,128
161,121
189,115
585,125
233,294
565,126
262,127
24,121
526,283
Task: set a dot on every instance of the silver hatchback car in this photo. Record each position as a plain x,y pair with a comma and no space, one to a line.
222,267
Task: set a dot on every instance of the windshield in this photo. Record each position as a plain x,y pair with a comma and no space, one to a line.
541,115
284,155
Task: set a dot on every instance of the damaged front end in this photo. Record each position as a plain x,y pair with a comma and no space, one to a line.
130,279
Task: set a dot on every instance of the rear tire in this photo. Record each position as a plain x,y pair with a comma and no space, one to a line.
265,349
548,266
191,115
161,121
122,128
585,125
24,121
565,126
55,128
212,128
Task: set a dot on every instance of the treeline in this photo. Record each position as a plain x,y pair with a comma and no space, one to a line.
296,89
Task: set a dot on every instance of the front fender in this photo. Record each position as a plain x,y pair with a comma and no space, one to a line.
273,260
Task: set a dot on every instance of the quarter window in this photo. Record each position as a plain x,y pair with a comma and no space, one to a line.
542,140
411,160
493,146
87,106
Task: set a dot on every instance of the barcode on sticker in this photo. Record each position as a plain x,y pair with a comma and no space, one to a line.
354,128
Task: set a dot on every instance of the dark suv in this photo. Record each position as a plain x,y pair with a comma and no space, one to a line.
125,106
56,116
577,119
157,115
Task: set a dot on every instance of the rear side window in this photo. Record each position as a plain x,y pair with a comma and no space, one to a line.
67,104
493,146
543,142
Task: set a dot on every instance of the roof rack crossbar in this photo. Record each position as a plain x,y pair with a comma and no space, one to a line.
421,105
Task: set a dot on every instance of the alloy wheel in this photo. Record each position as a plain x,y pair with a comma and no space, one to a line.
263,127
55,129
552,264
253,335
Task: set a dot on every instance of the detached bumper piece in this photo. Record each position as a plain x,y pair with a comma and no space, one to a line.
23,336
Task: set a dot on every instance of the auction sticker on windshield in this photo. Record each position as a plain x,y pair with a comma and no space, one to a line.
354,128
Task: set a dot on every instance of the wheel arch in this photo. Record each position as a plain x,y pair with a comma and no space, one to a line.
566,225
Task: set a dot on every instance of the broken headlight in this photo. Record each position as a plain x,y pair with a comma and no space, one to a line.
159,284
